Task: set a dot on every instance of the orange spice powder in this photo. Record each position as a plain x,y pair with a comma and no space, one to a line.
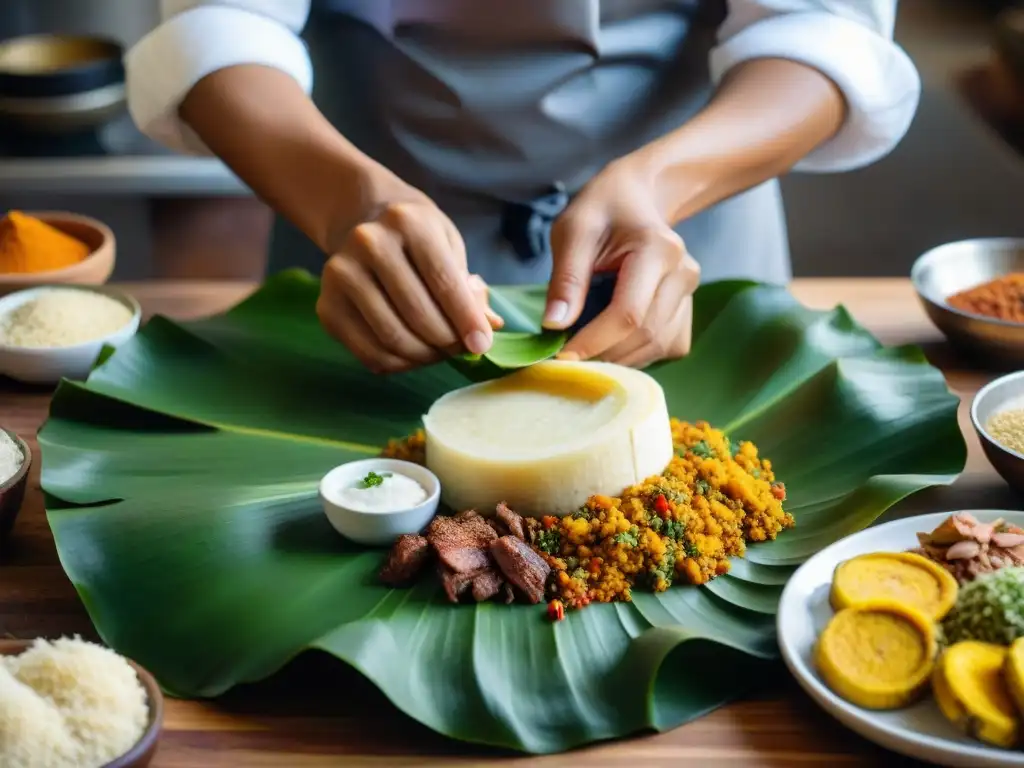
28,244
1002,298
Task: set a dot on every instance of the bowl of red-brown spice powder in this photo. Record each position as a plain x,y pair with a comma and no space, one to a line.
973,291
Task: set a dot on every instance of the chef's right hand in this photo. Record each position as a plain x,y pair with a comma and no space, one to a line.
397,291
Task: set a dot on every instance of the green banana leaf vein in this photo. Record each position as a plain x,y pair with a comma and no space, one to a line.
181,483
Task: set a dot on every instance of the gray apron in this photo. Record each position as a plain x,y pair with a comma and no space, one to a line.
501,110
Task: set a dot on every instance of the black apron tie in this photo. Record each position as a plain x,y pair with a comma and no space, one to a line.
527,226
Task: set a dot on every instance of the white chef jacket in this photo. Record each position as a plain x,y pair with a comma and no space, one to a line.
850,41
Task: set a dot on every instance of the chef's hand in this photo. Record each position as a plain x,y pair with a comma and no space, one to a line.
397,291
615,224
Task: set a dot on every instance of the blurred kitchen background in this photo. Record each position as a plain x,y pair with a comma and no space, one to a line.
959,173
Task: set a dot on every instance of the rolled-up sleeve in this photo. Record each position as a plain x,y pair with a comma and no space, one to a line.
196,38
849,41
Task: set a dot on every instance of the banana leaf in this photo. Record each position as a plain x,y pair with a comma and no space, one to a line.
181,483
510,350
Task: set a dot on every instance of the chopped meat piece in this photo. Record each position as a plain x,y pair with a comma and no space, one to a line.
405,560
461,544
522,566
466,514
455,584
513,520
436,525
481,529
499,527
533,528
507,594
486,585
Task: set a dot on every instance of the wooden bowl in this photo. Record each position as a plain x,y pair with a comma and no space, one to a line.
94,269
12,492
142,753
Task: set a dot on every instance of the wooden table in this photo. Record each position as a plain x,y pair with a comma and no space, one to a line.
316,713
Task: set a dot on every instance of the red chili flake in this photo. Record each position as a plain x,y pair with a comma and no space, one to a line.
779,491
556,611
661,505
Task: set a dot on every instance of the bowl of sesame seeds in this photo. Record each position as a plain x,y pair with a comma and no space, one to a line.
53,332
997,414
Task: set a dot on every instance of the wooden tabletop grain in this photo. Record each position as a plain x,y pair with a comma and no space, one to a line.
316,713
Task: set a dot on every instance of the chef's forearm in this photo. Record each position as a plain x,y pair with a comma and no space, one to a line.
267,130
766,115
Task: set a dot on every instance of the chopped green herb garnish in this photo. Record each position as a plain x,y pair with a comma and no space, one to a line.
674,529
549,541
583,513
572,563
630,537
675,497
580,574
372,479
665,568
702,449
656,523
702,487
691,549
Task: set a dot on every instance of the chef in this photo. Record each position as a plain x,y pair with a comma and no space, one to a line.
445,145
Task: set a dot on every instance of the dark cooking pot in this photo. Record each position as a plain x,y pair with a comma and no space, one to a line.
60,83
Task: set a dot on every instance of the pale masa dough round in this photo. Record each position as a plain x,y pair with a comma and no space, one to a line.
547,437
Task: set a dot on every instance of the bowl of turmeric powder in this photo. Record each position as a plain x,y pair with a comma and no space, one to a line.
49,247
973,291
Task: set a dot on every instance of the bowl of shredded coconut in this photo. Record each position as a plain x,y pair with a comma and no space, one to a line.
70,703
53,332
15,460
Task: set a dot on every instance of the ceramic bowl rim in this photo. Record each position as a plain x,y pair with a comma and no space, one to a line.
433,495
122,297
979,397
923,262
22,472
154,697
53,218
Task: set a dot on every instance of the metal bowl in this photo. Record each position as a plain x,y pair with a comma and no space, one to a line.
953,267
1005,391
61,83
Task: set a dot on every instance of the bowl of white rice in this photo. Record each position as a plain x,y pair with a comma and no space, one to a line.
49,333
15,461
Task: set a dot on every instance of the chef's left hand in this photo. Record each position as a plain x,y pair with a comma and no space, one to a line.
616,223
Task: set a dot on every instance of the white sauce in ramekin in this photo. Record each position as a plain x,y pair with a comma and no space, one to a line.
394,493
